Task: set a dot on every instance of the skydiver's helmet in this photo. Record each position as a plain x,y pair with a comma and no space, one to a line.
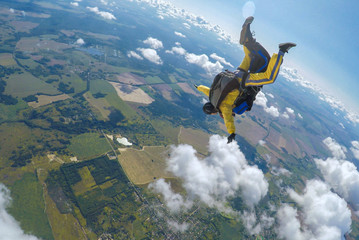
209,109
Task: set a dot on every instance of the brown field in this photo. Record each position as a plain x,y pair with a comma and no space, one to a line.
68,33
132,93
44,100
166,91
250,130
196,138
21,26
36,44
129,78
70,228
6,59
146,165
56,62
187,89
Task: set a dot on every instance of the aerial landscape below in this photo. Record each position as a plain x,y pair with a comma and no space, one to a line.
102,133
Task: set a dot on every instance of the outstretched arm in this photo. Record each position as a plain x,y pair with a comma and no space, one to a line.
203,89
228,118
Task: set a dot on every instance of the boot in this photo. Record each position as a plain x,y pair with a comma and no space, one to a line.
246,34
284,47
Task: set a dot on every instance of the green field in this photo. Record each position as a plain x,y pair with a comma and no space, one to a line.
28,207
111,97
153,79
89,145
25,84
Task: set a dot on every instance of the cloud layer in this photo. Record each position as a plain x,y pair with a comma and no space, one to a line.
261,100
340,174
325,214
215,178
153,43
105,15
9,227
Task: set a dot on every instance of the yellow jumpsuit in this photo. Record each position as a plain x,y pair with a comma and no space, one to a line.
254,79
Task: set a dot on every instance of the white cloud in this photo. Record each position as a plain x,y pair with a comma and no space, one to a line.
187,25
292,75
9,227
133,54
104,2
180,34
300,116
165,8
289,225
11,10
255,226
325,215
343,177
280,171
203,61
261,100
337,150
340,174
151,55
355,149
178,227
199,60
220,59
76,4
106,15
219,176
80,41
153,43
285,115
270,95
174,201
178,50
289,110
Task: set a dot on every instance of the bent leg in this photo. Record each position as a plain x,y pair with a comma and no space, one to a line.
269,76
246,62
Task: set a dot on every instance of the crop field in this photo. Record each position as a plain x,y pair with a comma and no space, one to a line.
44,100
87,182
108,196
196,138
186,88
166,129
25,84
129,78
7,60
28,206
9,112
144,166
111,97
70,228
153,80
131,93
35,44
89,145
22,26
100,105
250,130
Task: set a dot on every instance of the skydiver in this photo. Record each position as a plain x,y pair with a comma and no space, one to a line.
235,92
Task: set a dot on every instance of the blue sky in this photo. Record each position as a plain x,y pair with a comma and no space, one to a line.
326,32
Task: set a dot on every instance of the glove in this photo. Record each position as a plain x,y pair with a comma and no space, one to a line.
196,86
231,137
